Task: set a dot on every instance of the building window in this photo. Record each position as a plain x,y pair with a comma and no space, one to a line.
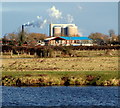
57,41
75,41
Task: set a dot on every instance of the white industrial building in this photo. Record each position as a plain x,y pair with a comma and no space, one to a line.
67,41
63,30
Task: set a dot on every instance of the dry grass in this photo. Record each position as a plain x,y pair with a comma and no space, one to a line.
77,70
61,64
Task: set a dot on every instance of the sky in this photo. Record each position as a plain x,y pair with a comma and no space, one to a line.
90,17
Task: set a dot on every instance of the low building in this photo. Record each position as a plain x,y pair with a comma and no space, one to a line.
67,41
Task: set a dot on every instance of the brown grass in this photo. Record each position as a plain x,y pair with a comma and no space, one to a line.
61,64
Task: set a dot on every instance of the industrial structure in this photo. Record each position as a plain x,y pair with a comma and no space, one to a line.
63,30
67,41
64,35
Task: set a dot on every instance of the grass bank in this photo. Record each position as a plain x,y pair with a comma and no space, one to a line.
102,71
51,78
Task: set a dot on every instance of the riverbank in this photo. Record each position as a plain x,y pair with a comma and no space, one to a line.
96,71
60,78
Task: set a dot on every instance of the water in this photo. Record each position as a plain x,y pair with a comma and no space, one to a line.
60,96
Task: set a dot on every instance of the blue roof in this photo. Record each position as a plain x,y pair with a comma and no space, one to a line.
75,38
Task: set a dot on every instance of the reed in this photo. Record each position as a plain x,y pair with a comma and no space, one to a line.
58,80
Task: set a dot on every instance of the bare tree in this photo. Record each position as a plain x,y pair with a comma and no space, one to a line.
111,32
99,38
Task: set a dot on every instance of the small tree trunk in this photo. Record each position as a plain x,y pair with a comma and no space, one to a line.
29,53
18,53
48,54
11,53
35,54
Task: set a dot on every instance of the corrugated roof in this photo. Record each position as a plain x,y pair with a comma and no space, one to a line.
50,38
69,38
75,38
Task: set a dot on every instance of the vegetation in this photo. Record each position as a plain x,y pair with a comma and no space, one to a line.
59,65
102,71
51,78
22,39
62,64
102,39
59,51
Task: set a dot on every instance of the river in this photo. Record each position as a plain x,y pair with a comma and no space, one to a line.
60,96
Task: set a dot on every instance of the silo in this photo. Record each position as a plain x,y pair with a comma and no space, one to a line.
72,30
76,30
57,31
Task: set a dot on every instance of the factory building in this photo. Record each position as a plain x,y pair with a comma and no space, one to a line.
67,41
63,30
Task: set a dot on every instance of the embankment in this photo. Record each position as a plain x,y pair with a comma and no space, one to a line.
61,79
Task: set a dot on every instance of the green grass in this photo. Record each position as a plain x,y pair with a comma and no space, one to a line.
56,68
105,75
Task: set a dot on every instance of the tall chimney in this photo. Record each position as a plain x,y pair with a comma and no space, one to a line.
22,28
